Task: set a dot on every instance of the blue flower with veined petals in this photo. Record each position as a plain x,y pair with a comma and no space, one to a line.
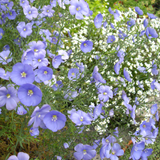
20,156
105,93
98,20
111,39
9,97
73,74
24,29
85,152
151,33
47,11
138,10
30,12
29,94
79,8
79,117
44,73
38,115
1,33
5,57
86,46
21,110
152,16
126,75
22,73
137,150
54,120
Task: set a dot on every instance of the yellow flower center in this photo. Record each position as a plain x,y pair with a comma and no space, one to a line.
111,39
107,140
45,72
54,118
1,34
104,93
35,50
47,10
29,12
78,8
23,74
5,58
72,74
84,151
30,92
56,85
22,1
113,153
24,29
8,95
39,60
81,119
85,44
144,126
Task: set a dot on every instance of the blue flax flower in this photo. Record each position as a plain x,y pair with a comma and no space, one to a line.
145,126
115,14
56,61
57,86
21,110
98,20
105,93
30,12
47,11
86,46
127,76
22,73
54,120
24,29
20,156
78,8
73,74
45,73
5,57
154,108
111,39
147,152
12,14
1,33
39,60
38,115
152,16
70,94
9,97
85,152
151,33
145,23
97,111
34,132
137,150
116,151
24,3
138,10
117,67
29,94
97,76
80,118
37,47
